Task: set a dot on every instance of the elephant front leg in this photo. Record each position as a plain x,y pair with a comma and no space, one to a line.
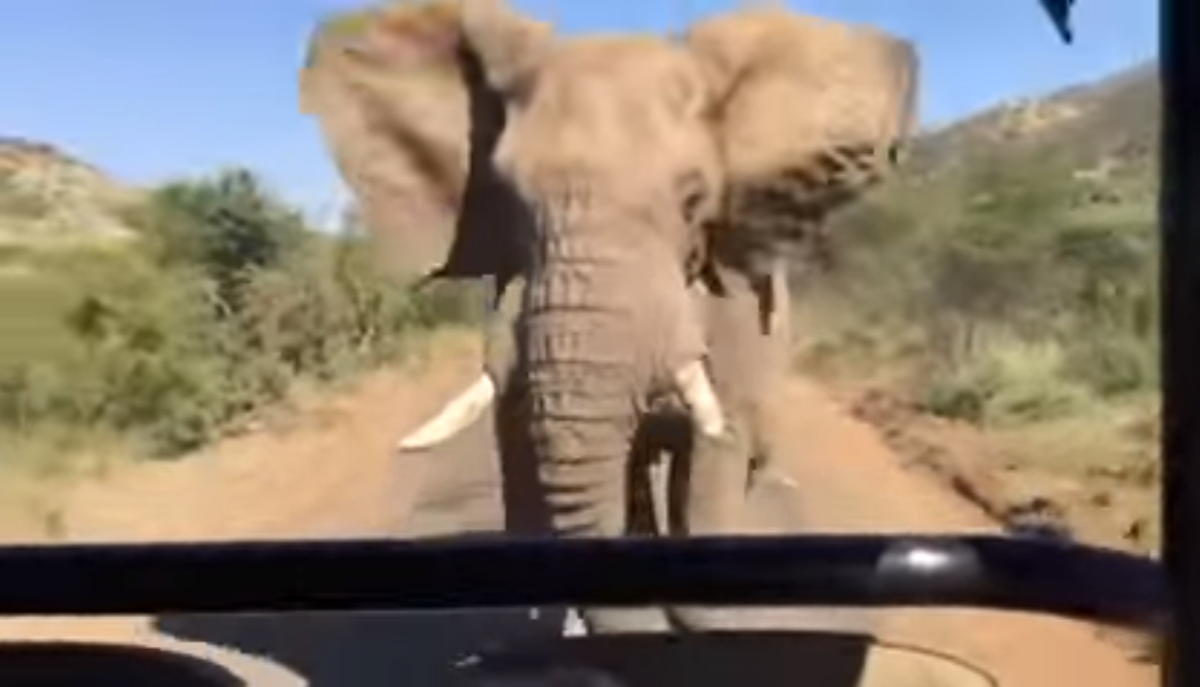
764,404
709,481
708,496
768,427
663,440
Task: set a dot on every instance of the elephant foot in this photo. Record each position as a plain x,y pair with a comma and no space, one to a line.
691,620
768,477
604,621
573,624
765,471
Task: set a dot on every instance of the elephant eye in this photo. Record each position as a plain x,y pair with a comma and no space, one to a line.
694,194
687,96
520,91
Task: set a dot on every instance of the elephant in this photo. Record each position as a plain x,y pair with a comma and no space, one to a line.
642,193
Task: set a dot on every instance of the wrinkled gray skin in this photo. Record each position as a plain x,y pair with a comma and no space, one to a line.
747,365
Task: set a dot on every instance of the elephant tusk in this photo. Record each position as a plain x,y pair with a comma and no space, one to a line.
454,417
697,391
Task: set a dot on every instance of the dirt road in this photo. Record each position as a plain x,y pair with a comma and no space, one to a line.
331,473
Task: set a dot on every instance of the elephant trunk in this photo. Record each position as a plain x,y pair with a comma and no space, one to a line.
582,415
606,319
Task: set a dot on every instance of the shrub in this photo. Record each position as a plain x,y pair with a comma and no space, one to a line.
1007,382
226,302
1028,307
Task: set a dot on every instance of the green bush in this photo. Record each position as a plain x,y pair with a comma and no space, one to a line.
224,304
1114,365
1028,305
1007,382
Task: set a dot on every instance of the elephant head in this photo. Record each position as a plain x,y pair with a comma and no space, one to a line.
610,171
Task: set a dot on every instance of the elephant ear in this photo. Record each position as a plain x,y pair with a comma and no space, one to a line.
809,113
509,45
401,98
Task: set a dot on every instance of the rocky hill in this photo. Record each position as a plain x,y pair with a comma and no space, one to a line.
49,198
1086,154
1106,131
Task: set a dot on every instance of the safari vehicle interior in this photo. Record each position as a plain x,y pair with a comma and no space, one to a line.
1025,571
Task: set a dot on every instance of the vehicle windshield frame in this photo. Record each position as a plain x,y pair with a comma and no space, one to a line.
1179,224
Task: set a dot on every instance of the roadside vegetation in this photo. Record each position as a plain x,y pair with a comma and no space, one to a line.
152,348
1009,281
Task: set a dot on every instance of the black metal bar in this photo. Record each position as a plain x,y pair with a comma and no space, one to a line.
995,572
1059,12
1180,219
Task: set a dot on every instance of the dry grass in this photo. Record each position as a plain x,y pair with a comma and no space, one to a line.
39,467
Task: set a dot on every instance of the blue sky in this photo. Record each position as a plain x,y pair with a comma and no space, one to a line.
150,89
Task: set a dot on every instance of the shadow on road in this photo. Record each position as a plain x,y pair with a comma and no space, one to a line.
366,649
